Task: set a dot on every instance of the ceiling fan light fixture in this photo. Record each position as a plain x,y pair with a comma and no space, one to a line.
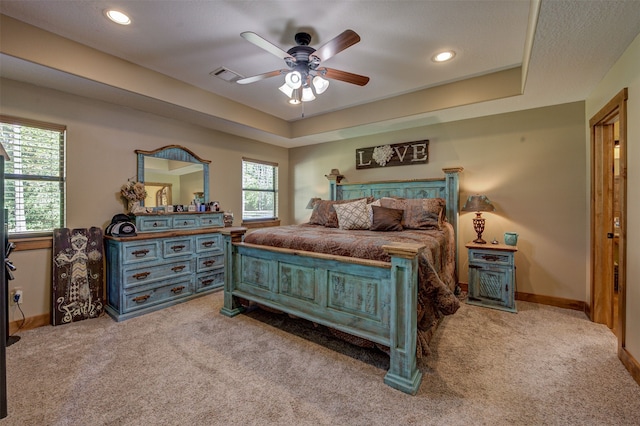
286,90
445,56
117,17
293,79
295,97
307,94
320,84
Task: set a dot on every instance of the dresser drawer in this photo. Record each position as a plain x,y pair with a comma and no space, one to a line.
177,247
152,272
162,292
153,224
185,222
206,263
144,251
210,280
490,257
209,243
214,220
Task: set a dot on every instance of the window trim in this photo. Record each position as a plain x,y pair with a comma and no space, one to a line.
263,220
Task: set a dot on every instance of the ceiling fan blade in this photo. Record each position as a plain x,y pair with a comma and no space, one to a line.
266,45
259,77
337,45
347,77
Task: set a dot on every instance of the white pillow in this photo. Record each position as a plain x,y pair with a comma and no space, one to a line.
354,215
370,210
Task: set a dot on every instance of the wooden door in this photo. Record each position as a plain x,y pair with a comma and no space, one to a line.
603,229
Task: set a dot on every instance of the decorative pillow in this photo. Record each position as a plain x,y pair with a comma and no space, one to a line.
324,214
419,213
370,211
353,215
386,219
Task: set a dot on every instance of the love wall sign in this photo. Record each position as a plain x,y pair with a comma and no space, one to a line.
399,154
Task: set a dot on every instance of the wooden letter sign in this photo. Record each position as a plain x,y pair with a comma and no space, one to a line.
399,154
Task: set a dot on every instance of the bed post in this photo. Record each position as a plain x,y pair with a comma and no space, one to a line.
334,179
403,372
231,306
452,183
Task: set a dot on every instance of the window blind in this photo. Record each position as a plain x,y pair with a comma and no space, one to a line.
34,175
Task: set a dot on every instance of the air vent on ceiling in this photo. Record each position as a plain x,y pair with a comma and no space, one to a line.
226,74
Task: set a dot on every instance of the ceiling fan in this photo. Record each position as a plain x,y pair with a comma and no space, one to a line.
304,75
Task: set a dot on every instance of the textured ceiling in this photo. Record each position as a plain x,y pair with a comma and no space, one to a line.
565,51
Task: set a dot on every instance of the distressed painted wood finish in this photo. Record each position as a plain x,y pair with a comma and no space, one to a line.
154,270
492,276
370,299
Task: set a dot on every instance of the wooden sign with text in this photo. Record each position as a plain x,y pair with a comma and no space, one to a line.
399,154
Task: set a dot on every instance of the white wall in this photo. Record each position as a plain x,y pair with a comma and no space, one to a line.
531,165
626,73
101,140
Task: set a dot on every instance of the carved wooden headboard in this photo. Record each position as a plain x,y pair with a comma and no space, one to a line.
446,188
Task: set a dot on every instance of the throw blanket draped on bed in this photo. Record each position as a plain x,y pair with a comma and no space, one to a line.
436,274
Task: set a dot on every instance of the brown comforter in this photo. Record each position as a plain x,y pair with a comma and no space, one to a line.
436,274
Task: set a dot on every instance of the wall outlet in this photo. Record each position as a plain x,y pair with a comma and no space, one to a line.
17,297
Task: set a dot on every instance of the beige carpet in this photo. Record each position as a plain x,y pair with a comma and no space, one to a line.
189,365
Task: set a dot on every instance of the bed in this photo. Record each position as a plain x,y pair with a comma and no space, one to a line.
390,288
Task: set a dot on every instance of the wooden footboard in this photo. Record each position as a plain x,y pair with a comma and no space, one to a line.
370,299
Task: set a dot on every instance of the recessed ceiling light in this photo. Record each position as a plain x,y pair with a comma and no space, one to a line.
444,56
117,17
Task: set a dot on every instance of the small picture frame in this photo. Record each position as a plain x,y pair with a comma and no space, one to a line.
191,207
170,208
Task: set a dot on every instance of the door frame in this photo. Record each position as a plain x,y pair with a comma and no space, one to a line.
602,191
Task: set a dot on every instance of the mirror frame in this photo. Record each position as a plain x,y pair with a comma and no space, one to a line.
178,153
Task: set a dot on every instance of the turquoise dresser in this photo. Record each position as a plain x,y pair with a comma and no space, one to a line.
174,258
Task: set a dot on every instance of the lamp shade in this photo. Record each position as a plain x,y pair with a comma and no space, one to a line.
311,202
320,84
307,94
286,90
478,203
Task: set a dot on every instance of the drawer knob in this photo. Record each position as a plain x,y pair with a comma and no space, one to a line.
207,282
185,223
177,290
155,224
208,243
209,262
177,248
140,253
178,268
141,275
141,299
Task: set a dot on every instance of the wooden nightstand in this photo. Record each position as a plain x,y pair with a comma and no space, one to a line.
492,276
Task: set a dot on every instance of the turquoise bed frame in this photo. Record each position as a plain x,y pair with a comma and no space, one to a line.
370,299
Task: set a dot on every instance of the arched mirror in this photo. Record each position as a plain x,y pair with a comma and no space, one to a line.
173,175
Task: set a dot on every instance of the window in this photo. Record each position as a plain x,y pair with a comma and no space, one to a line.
259,190
34,176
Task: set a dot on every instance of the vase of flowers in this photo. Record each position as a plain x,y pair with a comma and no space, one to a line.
133,192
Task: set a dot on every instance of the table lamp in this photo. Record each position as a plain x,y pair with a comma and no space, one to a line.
478,204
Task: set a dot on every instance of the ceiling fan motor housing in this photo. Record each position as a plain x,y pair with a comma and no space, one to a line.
303,39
